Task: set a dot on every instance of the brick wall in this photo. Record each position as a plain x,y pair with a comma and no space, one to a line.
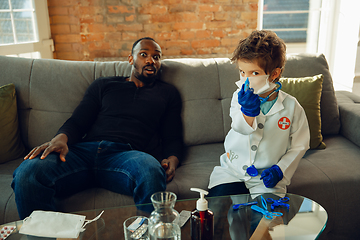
92,29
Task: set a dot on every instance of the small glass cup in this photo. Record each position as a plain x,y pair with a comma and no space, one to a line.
136,228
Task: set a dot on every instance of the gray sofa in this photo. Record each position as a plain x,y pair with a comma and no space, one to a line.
49,90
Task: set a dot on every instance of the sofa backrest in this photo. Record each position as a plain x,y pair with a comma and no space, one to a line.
49,90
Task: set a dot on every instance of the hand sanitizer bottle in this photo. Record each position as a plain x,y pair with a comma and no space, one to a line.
202,219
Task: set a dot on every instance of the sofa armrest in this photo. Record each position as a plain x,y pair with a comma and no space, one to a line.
349,109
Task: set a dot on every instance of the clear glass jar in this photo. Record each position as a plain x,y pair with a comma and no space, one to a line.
164,220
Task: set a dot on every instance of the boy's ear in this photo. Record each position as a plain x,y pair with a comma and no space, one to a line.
276,73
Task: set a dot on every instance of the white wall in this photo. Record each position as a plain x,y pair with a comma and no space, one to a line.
338,40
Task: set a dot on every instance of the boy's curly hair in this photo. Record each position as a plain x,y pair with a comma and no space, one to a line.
264,47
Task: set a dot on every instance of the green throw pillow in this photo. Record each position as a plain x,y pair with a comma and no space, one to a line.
11,146
307,90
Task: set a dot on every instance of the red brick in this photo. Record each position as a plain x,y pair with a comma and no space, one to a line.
90,10
61,3
77,47
171,52
204,51
147,34
207,1
163,18
129,36
99,46
129,27
113,36
153,10
93,28
121,9
65,19
60,29
187,52
188,25
87,20
130,18
103,54
220,50
203,34
179,8
123,45
221,16
115,19
205,17
205,43
218,24
144,18
189,17
253,7
209,8
63,47
67,38
219,33
187,35
232,8
241,25
177,44
167,36
229,42
58,11
248,15
94,37
160,27
68,55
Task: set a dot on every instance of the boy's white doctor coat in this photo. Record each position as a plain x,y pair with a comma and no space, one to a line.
280,137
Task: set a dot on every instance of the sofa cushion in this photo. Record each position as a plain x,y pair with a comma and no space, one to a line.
303,65
11,146
307,91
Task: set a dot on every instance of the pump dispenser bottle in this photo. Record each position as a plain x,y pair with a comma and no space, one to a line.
202,219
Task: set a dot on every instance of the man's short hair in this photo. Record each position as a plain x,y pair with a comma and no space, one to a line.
137,41
263,46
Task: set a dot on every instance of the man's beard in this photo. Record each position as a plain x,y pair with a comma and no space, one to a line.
147,80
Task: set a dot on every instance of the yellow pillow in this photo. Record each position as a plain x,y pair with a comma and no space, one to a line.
11,146
307,90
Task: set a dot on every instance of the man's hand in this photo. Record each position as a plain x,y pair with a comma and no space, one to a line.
57,144
170,164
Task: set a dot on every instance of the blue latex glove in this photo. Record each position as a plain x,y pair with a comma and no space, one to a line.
272,176
249,101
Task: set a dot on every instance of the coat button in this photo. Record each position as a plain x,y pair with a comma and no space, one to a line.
260,125
254,147
245,167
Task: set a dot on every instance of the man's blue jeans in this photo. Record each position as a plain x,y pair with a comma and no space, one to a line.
104,164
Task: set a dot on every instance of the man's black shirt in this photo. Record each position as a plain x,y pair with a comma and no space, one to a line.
114,109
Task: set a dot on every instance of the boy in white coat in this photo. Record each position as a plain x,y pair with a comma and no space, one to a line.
269,130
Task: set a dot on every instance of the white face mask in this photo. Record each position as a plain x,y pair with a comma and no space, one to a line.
55,224
260,84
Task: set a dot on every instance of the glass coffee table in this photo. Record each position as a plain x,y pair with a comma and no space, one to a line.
303,219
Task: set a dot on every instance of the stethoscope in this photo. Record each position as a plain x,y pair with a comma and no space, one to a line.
252,171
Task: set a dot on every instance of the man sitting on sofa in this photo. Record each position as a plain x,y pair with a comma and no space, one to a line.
109,139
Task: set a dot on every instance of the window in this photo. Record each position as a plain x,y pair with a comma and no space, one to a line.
296,22
25,29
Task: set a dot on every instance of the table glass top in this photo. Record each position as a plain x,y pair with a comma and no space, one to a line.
304,219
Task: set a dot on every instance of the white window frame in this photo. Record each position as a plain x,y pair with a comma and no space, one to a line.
43,44
334,33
